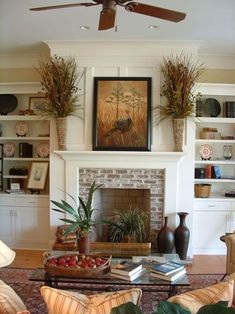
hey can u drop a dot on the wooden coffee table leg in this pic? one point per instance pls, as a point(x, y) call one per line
point(48, 281)
point(172, 291)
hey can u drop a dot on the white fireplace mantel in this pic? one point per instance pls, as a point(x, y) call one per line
point(168, 161)
point(127, 156)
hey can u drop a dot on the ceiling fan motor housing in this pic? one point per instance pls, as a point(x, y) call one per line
point(109, 5)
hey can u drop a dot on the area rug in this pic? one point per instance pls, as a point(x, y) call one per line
point(30, 293)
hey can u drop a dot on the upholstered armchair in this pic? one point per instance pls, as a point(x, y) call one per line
point(230, 261)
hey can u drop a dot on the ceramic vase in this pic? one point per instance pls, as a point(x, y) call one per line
point(182, 235)
point(165, 238)
point(178, 132)
point(83, 245)
point(61, 131)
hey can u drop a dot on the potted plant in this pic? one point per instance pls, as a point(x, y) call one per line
point(59, 79)
point(80, 218)
point(180, 74)
point(128, 225)
point(166, 307)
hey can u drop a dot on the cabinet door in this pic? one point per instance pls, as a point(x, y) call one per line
point(208, 227)
point(7, 225)
point(32, 227)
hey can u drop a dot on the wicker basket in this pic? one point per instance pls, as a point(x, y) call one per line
point(202, 190)
point(74, 272)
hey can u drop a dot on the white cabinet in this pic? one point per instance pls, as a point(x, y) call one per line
point(211, 220)
point(217, 94)
point(24, 221)
point(24, 218)
point(29, 146)
point(214, 216)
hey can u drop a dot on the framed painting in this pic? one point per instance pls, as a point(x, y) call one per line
point(37, 175)
point(122, 113)
point(37, 104)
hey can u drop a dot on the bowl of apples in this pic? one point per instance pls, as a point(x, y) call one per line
point(76, 265)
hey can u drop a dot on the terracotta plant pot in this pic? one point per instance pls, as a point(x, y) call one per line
point(83, 245)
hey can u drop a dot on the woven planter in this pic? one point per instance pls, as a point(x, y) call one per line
point(61, 130)
point(202, 190)
point(178, 132)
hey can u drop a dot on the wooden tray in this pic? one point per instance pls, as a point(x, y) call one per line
point(74, 272)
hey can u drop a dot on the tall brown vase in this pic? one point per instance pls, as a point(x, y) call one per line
point(165, 239)
point(61, 130)
point(83, 245)
point(182, 235)
point(178, 132)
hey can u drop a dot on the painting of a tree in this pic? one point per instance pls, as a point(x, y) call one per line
point(116, 97)
point(122, 113)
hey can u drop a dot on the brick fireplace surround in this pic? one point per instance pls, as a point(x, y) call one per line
point(156, 172)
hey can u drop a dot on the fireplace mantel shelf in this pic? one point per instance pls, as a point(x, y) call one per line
point(121, 155)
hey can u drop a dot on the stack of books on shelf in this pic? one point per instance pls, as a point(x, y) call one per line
point(127, 270)
point(169, 271)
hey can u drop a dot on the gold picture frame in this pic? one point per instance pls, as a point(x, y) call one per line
point(37, 104)
point(37, 175)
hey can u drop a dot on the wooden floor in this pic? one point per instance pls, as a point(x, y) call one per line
point(201, 264)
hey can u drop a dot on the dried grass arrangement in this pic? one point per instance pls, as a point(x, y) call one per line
point(180, 74)
point(59, 79)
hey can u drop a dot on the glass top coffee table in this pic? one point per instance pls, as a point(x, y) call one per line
point(106, 282)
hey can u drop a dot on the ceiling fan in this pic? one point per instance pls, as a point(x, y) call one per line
point(108, 12)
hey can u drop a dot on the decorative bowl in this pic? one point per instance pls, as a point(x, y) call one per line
point(76, 265)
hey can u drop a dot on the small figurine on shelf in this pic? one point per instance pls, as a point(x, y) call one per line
point(21, 128)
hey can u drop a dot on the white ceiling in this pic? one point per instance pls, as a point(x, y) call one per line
point(210, 21)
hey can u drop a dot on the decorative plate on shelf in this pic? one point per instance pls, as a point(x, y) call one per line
point(9, 149)
point(210, 107)
point(21, 128)
point(206, 151)
point(8, 103)
point(43, 150)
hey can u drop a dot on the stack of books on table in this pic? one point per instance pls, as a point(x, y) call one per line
point(127, 270)
point(169, 271)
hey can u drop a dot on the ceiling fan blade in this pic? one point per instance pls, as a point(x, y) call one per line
point(150, 10)
point(107, 19)
point(52, 7)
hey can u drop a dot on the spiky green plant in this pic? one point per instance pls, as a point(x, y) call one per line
point(59, 79)
point(180, 74)
point(131, 222)
point(80, 220)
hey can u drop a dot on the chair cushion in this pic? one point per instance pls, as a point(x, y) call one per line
point(193, 300)
point(67, 302)
point(10, 302)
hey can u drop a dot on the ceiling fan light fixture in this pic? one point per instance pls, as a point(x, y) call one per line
point(153, 26)
point(84, 27)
